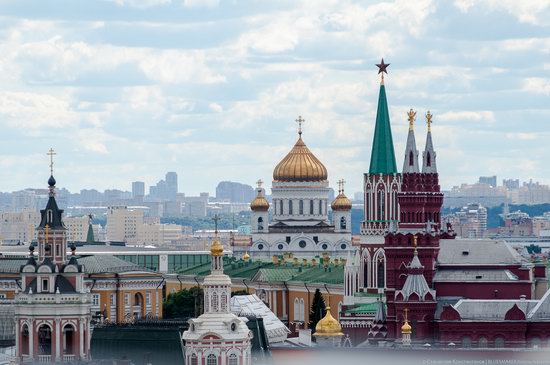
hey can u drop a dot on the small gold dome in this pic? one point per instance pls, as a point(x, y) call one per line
point(300, 165)
point(341, 203)
point(216, 249)
point(406, 328)
point(259, 204)
point(246, 256)
point(328, 326)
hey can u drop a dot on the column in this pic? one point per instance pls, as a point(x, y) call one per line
point(284, 304)
point(57, 340)
point(18, 347)
point(274, 309)
point(31, 339)
point(81, 337)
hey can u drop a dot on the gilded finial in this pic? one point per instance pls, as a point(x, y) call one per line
point(429, 117)
point(300, 121)
point(51, 153)
point(412, 118)
point(415, 243)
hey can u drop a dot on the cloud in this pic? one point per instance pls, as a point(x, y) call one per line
point(201, 3)
point(452, 116)
point(537, 85)
point(522, 136)
point(526, 11)
point(141, 4)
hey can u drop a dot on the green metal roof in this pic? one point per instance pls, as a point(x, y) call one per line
point(364, 308)
point(382, 160)
point(10, 265)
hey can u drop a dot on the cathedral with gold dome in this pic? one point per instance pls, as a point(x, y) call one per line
point(300, 206)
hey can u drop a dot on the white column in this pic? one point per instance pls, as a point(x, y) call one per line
point(274, 309)
point(57, 339)
point(31, 339)
point(81, 335)
point(18, 351)
point(157, 302)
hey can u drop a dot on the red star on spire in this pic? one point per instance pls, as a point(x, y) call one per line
point(382, 67)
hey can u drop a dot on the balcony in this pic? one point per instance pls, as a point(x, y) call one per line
point(44, 358)
point(69, 358)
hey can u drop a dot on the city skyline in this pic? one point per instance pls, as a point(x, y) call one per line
point(128, 90)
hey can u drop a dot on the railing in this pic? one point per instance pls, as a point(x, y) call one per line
point(44, 358)
point(67, 358)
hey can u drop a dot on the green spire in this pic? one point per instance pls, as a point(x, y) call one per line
point(90, 236)
point(382, 159)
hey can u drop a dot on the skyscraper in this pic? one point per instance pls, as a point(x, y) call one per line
point(171, 185)
point(138, 189)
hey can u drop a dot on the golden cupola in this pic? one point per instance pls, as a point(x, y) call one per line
point(300, 164)
point(406, 328)
point(217, 248)
point(260, 203)
point(328, 326)
point(341, 202)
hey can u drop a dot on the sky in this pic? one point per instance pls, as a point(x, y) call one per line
point(126, 90)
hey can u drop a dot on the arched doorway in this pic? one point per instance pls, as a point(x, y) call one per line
point(69, 340)
point(44, 340)
point(139, 308)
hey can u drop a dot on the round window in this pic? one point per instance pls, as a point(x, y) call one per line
point(260, 247)
point(280, 246)
point(324, 246)
point(302, 244)
point(233, 327)
point(343, 246)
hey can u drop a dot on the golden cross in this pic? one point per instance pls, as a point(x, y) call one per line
point(429, 117)
point(51, 153)
point(216, 218)
point(300, 121)
point(412, 117)
point(259, 183)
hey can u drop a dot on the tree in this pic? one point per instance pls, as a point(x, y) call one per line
point(318, 310)
point(186, 303)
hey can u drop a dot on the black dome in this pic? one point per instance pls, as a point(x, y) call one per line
point(51, 181)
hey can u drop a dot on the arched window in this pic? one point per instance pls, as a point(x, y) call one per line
point(25, 338)
point(500, 342)
point(301, 206)
point(535, 343)
point(466, 342)
point(260, 224)
point(211, 360)
point(302, 311)
point(223, 302)
point(381, 205)
point(194, 360)
point(482, 343)
point(429, 162)
point(380, 272)
point(320, 207)
point(281, 206)
point(296, 309)
point(232, 360)
point(49, 217)
point(45, 340)
point(290, 207)
point(411, 158)
point(311, 206)
point(68, 340)
point(343, 223)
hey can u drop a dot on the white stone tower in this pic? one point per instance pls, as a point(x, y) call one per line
point(341, 211)
point(259, 219)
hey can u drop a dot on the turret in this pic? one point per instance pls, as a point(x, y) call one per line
point(429, 155)
point(351, 277)
point(259, 219)
point(341, 210)
point(410, 163)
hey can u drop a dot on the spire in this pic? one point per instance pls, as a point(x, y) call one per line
point(382, 159)
point(51, 216)
point(429, 155)
point(410, 163)
point(90, 239)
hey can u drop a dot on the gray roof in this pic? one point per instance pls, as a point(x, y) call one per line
point(108, 264)
point(11, 265)
point(477, 252)
point(486, 275)
point(491, 309)
point(542, 310)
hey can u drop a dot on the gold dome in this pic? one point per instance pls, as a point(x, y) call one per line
point(300, 165)
point(259, 204)
point(246, 256)
point(341, 202)
point(328, 326)
point(216, 249)
point(406, 328)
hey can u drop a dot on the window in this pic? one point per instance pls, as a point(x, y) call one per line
point(214, 299)
point(296, 309)
point(411, 158)
point(126, 299)
point(57, 250)
point(113, 299)
point(95, 300)
point(280, 207)
point(49, 216)
point(320, 207)
point(45, 285)
point(232, 360)
point(380, 272)
point(290, 207)
point(499, 342)
point(260, 246)
point(343, 246)
point(194, 360)
point(429, 162)
point(301, 206)
point(148, 298)
point(324, 246)
point(482, 343)
point(280, 246)
point(302, 244)
point(381, 205)
point(311, 207)
point(260, 224)
point(224, 302)
point(343, 223)
point(466, 342)
point(302, 316)
point(211, 360)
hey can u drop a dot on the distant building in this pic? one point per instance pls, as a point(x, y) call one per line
point(234, 192)
point(138, 189)
point(469, 222)
point(19, 227)
point(123, 223)
point(489, 180)
point(533, 193)
point(510, 184)
point(481, 193)
point(159, 234)
point(77, 228)
point(195, 206)
point(165, 189)
point(517, 224)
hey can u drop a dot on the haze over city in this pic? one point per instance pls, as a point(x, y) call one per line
point(126, 90)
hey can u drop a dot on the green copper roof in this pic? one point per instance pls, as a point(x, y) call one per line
point(364, 308)
point(90, 236)
point(382, 159)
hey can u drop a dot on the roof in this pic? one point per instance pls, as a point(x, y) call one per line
point(56, 221)
point(250, 304)
point(369, 308)
point(107, 264)
point(382, 160)
point(159, 345)
point(300, 164)
point(491, 309)
point(411, 165)
point(444, 275)
point(11, 265)
point(477, 252)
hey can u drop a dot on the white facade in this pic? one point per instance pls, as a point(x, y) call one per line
point(217, 337)
point(19, 226)
point(77, 228)
point(123, 223)
point(155, 234)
